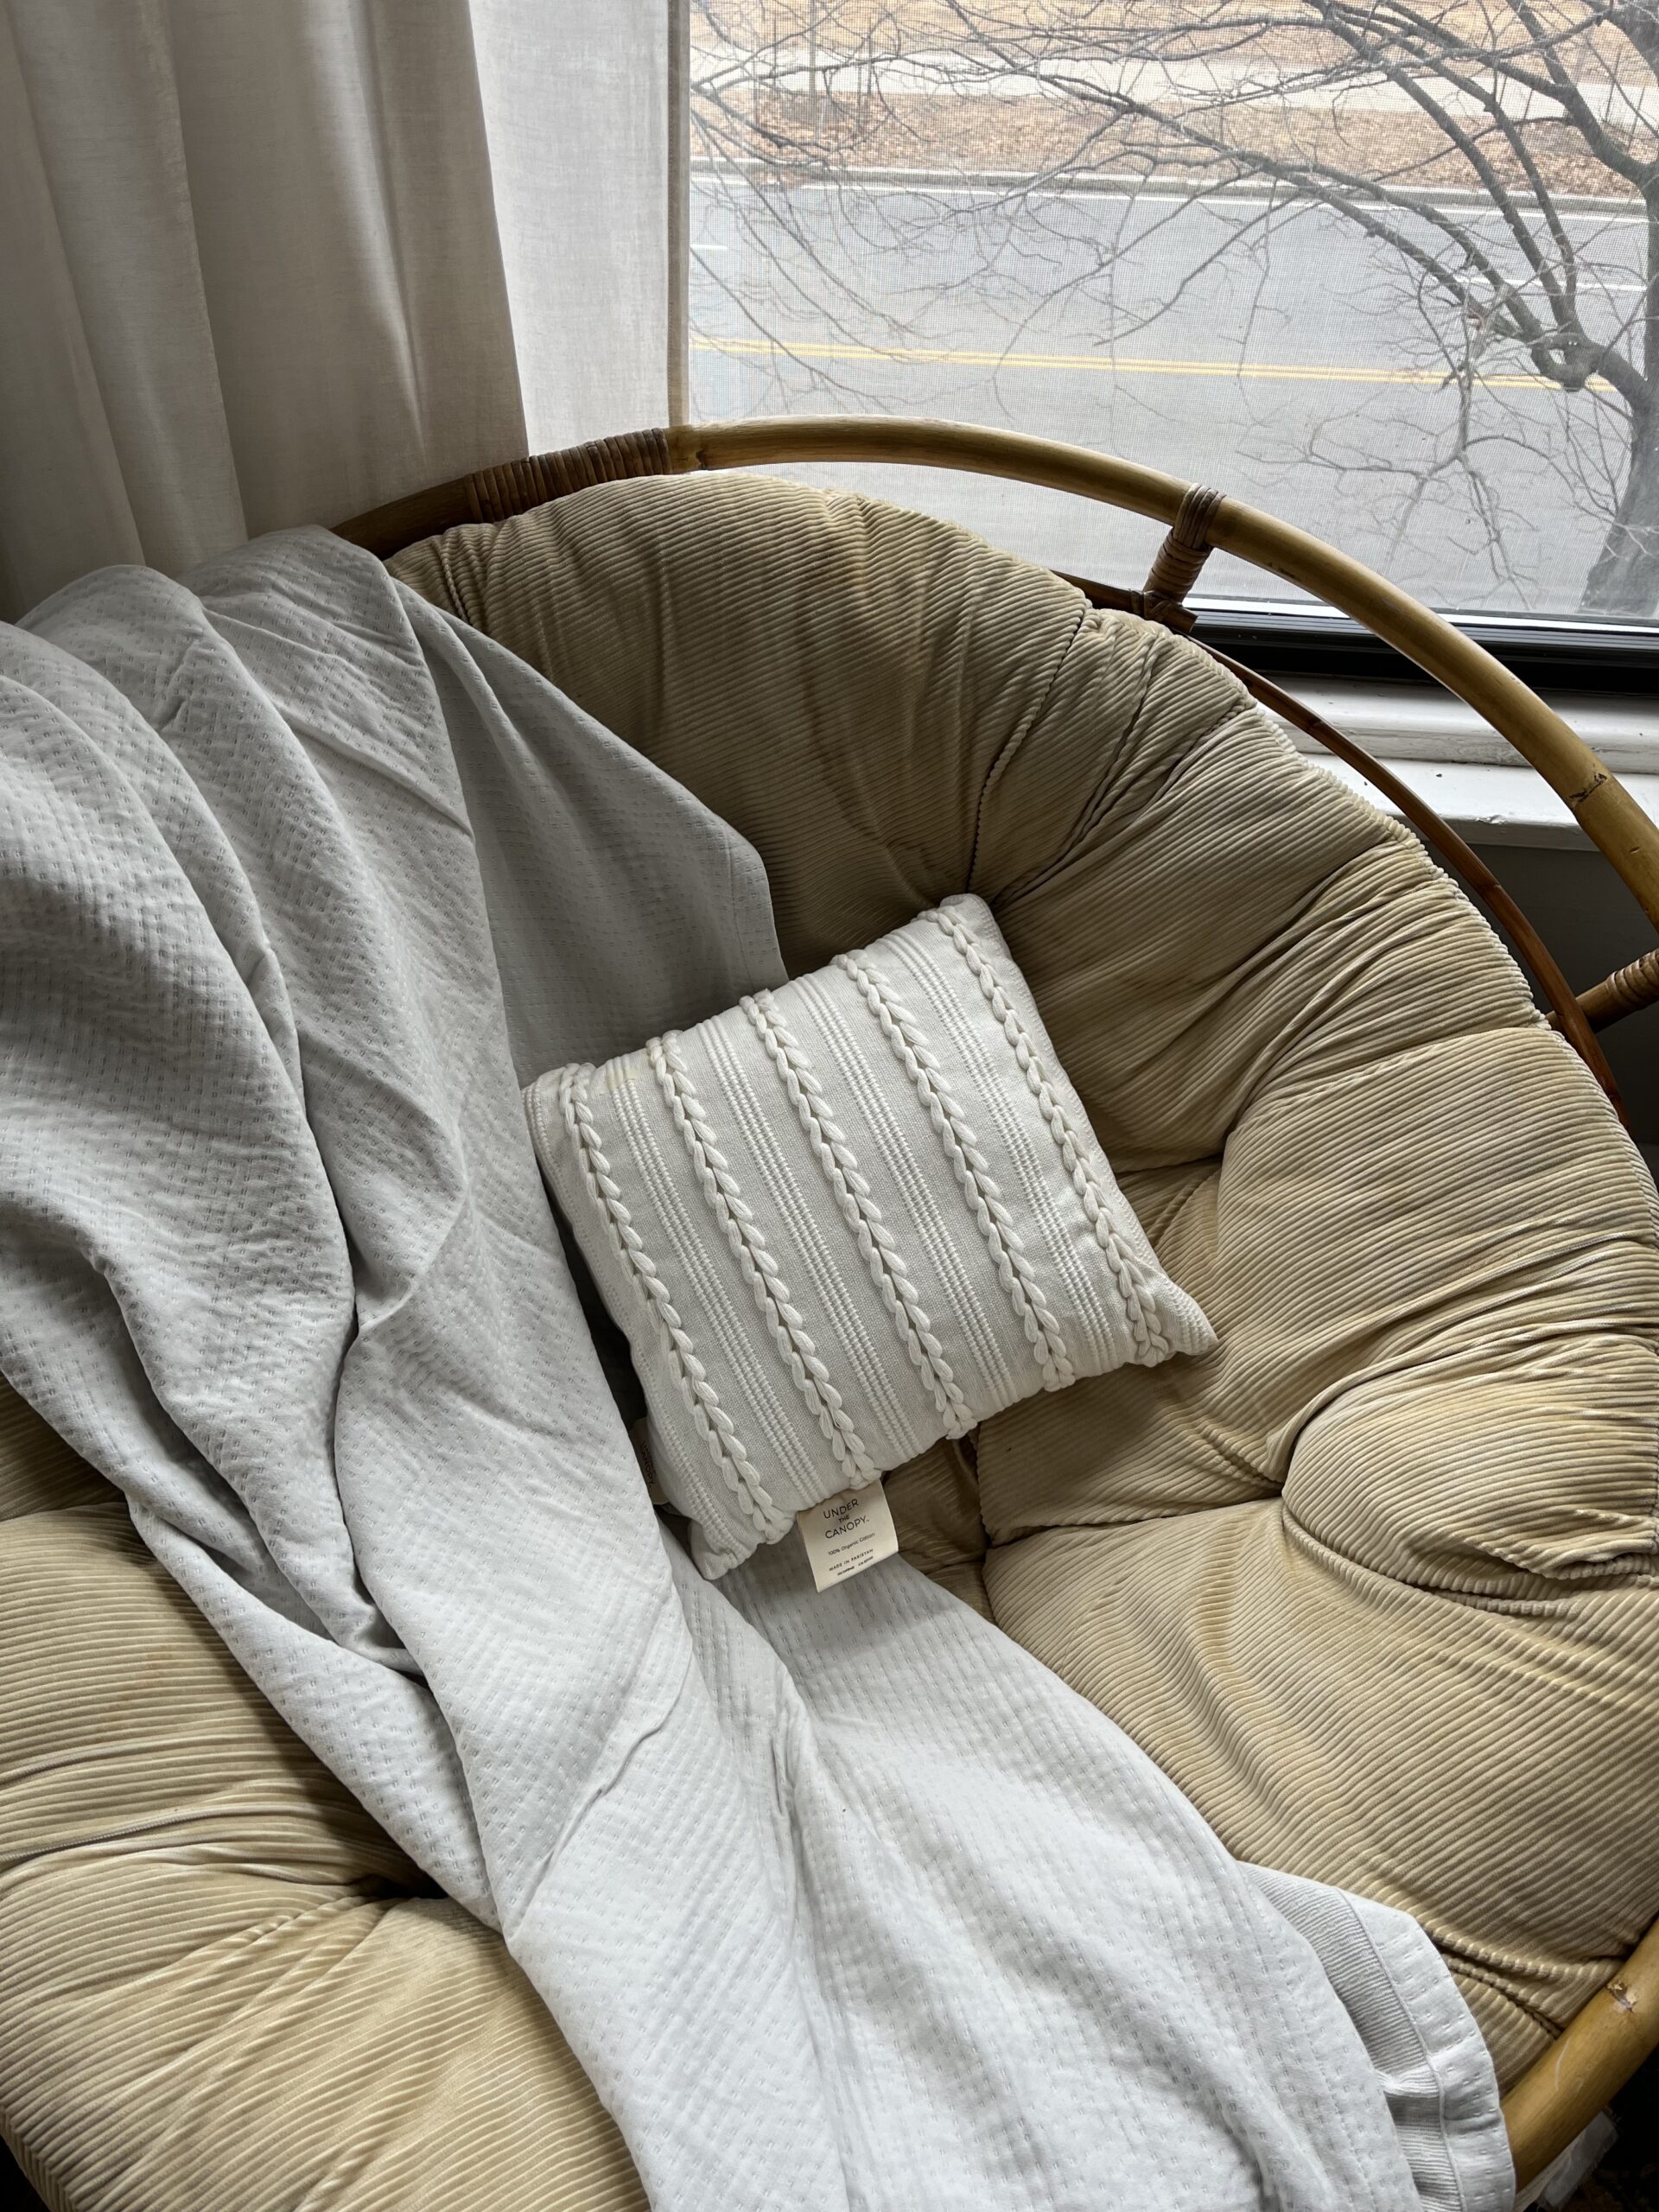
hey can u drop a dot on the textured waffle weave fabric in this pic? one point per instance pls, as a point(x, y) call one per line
point(885, 1153)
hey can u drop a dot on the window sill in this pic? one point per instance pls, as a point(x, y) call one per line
point(1471, 778)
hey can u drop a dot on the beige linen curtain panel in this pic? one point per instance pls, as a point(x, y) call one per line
point(266, 262)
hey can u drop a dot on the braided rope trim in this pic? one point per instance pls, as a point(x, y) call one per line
point(860, 1213)
point(756, 1264)
point(1150, 1342)
point(1013, 1271)
point(714, 1424)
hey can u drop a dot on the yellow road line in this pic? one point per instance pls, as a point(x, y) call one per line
point(812, 349)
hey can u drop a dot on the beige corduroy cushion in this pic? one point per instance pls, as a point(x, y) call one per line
point(1375, 1582)
point(221, 1986)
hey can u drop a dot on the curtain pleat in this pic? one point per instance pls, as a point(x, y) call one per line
point(275, 263)
point(575, 104)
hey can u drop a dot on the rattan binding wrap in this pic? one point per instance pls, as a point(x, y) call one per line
point(1627, 990)
point(1619, 2027)
point(517, 485)
point(509, 488)
point(1178, 562)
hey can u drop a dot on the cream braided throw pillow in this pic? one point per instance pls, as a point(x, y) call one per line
point(846, 1217)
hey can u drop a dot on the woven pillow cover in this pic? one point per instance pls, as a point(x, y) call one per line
point(846, 1218)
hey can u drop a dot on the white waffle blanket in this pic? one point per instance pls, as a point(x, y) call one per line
point(842, 1900)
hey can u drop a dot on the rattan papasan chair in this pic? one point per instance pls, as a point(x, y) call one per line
point(1375, 1582)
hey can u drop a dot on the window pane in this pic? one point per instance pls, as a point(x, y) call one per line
point(1381, 269)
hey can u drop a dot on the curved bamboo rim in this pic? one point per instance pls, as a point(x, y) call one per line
point(1589, 2062)
point(1618, 2028)
point(1609, 816)
point(1606, 811)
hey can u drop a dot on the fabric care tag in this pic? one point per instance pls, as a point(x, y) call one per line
point(849, 1532)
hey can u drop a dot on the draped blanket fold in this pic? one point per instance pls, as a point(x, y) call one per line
point(841, 1899)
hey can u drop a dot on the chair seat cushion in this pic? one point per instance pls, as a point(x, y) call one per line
point(1374, 1581)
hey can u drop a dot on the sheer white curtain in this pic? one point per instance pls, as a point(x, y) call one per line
point(264, 262)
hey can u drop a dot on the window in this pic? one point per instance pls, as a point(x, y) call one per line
point(1384, 267)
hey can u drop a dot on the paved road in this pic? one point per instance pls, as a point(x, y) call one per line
point(1278, 356)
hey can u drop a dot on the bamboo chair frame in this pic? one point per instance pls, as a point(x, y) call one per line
point(1618, 2027)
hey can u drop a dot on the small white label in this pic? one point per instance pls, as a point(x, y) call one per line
point(640, 1437)
point(849, 1532)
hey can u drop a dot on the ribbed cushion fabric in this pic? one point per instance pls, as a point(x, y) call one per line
point(843, 1219)
point(222, 1985)
point(1375, 1582)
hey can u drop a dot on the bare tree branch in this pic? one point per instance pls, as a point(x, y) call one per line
point(1416, 124)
